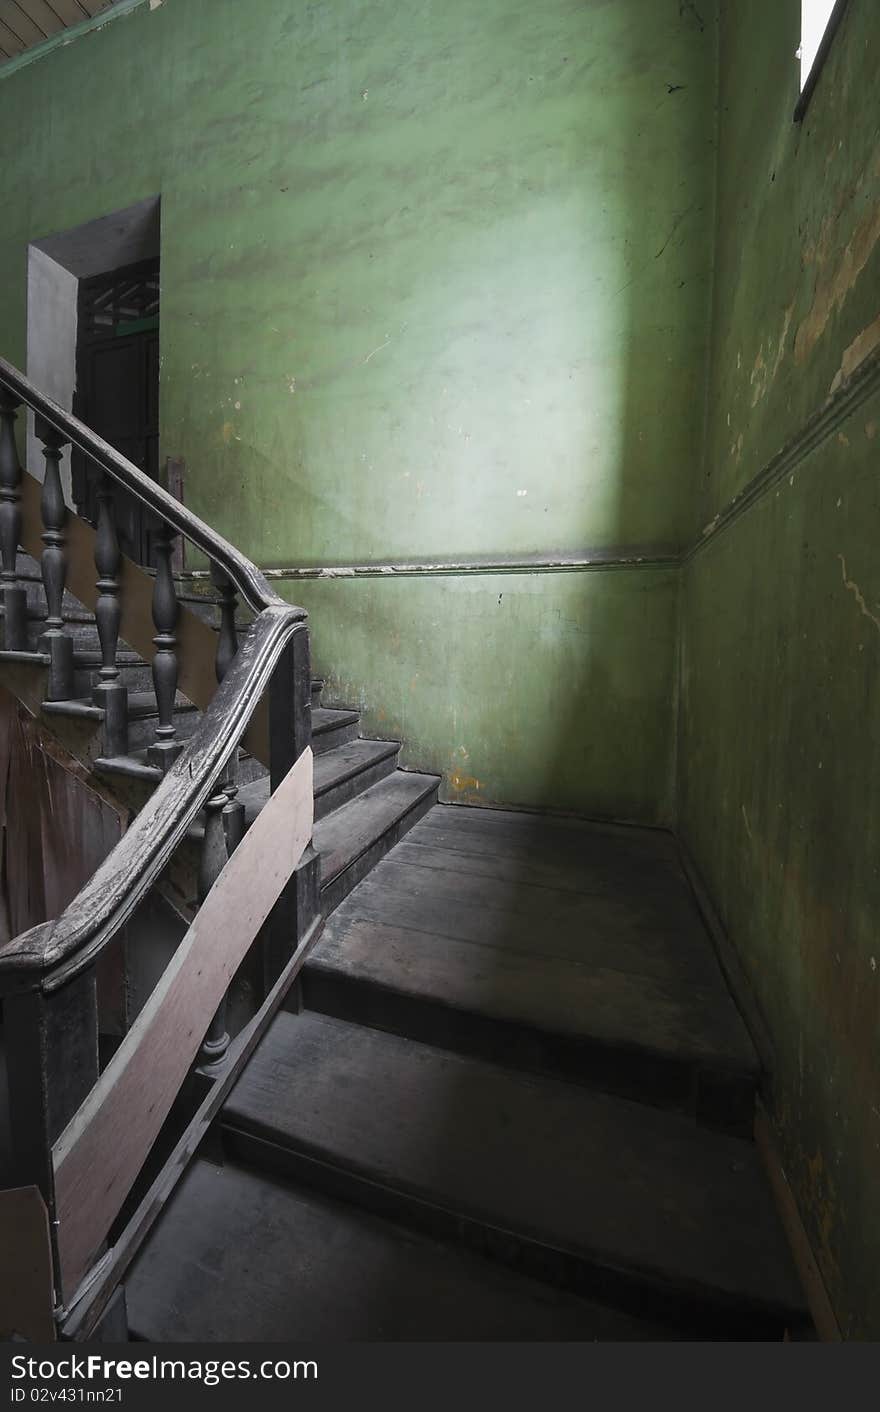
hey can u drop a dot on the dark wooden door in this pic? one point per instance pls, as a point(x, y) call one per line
point(117, 392)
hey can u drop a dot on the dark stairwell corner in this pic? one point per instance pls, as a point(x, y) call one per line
point(515, 1102)
point(439, 647)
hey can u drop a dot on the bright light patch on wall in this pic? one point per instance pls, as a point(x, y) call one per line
point(815, 15)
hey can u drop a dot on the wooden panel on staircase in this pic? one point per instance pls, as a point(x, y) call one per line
point(54, 829)
point(100, 1153)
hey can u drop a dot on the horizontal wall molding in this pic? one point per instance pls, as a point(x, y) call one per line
point(456, 568)
point(67, 36)
point(861, 384)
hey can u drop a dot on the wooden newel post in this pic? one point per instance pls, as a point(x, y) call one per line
point(224, 818)
point(211, 864)
point(14, 593)
point(290, 732)
point(52, 1061)
point(53, 563)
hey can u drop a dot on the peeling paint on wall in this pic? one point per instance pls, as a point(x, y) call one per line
point(856, 353)
point(834, 285)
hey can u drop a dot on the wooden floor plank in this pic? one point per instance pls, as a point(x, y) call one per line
point(453, 853)
point(555, 995)
point(622, 933)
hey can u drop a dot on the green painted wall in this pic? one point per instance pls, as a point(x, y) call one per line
point(435, 284)
point(779, 754)
point(589, 643)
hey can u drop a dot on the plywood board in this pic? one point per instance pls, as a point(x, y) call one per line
point(100, 1153)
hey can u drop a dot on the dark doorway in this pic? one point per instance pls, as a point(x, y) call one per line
point(117, 390)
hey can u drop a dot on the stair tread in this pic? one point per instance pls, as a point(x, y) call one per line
point(345, 834)
point(604, 1179)
point(324, 718)
point(289, 1264)
point(143, 703)
point(556, 996)
point(331, 768)
point(522, 945)
point(629, 924)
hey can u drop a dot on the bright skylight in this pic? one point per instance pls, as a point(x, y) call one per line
point(815, 15)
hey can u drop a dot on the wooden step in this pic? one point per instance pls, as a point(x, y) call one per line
point(340, 774)
point(354, 837)
point(594, 1192)
point(332, 728)
point(592, 966)
point(135, 766)
point(239, 1256)
point(134, 672)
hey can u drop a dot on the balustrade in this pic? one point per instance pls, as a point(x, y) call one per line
point(69, 1121)
point(54, 639)
point(14, 595)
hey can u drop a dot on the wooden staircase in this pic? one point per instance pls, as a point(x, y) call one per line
point(515, 1103)
point(484, 1079)
point(363, 801)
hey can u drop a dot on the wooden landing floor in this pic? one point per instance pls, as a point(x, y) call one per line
point(564, 947)
point(442, 1142)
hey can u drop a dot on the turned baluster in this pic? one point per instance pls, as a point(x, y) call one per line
point(227, 638)
point(165, 749)
point(13, 593)
point(215, 851)
point(227, 646)
point(53, 563)
point(110, 692)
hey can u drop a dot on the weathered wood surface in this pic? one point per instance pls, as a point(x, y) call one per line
point(54, 830)
point(117, 1124)
point(87, 1308)
point(196, 639)
point(26, 1294)
point(295, 1265)
point(608, 1184)
point(110, 897)
point(548, 944)
point(348, 832)
point(251, 584)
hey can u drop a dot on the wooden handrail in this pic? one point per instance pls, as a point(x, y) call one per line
point(52, 953)
point(250, 583)
point(70, 1120)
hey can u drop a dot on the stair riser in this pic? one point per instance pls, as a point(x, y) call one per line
point(136, 677)
point(249, 769)
point(724, 1101)
point(338, 888)
point(142, 733)
point(708, 1312)
point(348, 789)
point(337, 735)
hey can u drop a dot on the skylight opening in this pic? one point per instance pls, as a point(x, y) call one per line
point(815, 15)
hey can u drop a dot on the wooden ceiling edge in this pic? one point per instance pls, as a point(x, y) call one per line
point(29, 53)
